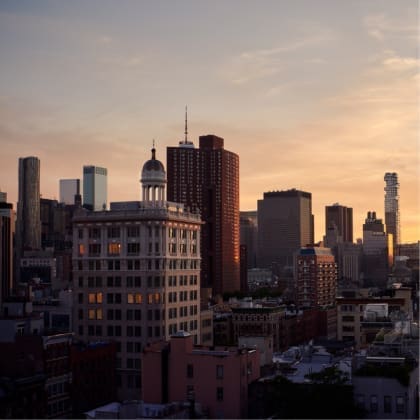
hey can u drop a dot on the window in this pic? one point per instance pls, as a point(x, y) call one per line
point(219, 393)
point(190, 371)
point(133, 231)
point(387, 404)
point(133, 248)
point(114, 248)
point(399, 404)
point(113, 232)
point(373, 403)
point(94, 249)
point(219, 371)
point(81, 250)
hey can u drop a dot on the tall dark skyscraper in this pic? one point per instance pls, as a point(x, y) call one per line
point(6, 247)
point(392, 210)
point(342, 218)
point(207, 180)
point(28, 235)
point(285, 224)
point(248, 235)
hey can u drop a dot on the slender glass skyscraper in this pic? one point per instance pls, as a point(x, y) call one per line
point(28, 235)
point(392, 210)
point(95, 188)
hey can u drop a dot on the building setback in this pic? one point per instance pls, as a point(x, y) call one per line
point(207, 180)
point(136, 271)
point(285, 224)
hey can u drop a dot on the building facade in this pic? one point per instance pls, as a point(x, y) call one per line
point(136, 271)
point(341, 217)
point(69, 190)
point(216, 378)
point(285, 224)
point(207, 180)
point(95, 188)
point(6, 247)
point(392, 209)
point(28, 233)
point(316, 277)
point(249, 235)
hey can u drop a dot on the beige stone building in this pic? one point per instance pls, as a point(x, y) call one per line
point(136, 274)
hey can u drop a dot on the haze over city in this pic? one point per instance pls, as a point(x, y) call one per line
point(319, 96)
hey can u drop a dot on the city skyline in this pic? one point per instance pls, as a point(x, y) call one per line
point(319, 99)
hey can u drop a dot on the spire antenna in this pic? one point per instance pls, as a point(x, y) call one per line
point(186, 125)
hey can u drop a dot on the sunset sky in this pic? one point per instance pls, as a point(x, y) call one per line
point(320, 95)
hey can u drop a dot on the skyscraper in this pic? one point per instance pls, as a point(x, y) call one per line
point(6, 247)
point(248, 235)
point(342, 218)
point(392, 211)
point(69, 189)
point(28, 235)
point(137, 274)
point(285, 224)
point(95, 188)
point(207, 180)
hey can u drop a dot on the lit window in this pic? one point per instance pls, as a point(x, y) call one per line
point(99, 297)
point(130, 298)
point(81, 249)
point(92, 314)
point(114, 248)
point(92, 298)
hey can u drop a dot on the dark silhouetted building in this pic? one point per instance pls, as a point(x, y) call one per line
point(6, 247)
point(248, 224)
point(207, 181)
point(28, 234)
point(285, 224)
point(342, 218)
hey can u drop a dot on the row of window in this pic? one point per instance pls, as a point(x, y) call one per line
point(137, 298)
point(387, 403)
point(219, 371)
point(130, 265)
point(134, 232)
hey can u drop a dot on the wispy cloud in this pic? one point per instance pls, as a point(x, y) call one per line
point(262, 63)
point(381, 27)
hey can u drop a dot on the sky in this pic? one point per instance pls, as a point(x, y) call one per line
point(321, 95)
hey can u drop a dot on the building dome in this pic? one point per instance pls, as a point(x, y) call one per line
point(153, 170)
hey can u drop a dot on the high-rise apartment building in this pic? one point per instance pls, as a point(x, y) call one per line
point(136, 274)
point(248, 224)
point(95, 188)
point(342, 218)
point(69, 191)
point(6, 247)
point(316, 277)
point(392, 210)
point(206, 180)
point(28, 235)
point(285, 224)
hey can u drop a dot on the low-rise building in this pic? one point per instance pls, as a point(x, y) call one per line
point(216, 378)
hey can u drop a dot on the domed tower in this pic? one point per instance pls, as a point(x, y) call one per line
point(153, 180)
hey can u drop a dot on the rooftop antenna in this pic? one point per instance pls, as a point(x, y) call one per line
point(186, 125)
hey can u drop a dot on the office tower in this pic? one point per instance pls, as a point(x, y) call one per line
point(316, 277)
point(28, 235)
point(285, 224)
point(342, 218)
point(392, 211)
point(95, 188)
point(375, 251)
point(206, 180)
point(69, 190)
point(136, 274)
point(6, 246)
point(248, 228)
